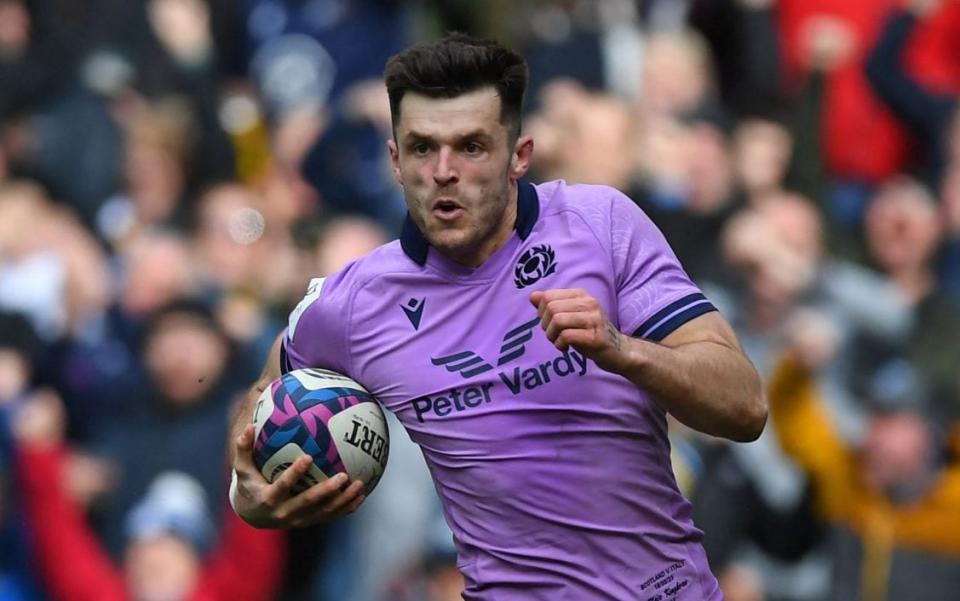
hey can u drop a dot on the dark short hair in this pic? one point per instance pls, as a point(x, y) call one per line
point(458, 64)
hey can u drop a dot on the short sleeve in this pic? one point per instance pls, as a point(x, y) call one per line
point(316, 331)
point(655, 296)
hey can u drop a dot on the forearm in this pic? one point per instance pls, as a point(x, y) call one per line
point(706, 385)
point(697, 372)
point(69, 557)
point(920, 109)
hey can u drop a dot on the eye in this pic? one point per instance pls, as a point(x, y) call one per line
point(472, 148)
point(420, 148)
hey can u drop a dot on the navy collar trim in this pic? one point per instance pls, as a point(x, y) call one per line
point(415, 245)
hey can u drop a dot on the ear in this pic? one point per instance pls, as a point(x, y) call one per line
point(520, 159)
point(394, 160)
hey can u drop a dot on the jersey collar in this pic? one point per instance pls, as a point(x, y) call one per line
point(528, 210)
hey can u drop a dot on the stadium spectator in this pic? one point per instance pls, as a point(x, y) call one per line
point(929, 113)
point(187, 400)
point(932, 114)
point(112, 116)
point(154, 189)
point(786, 281)
point(890, 501)
point(746, 50)
point(903, 233)
point(171, 550)
point(19, 349)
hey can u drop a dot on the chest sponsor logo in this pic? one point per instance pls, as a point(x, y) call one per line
point(469, 363)
point(534, 265)
point(516, 380)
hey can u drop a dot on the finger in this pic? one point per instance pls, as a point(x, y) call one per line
point(569, 321)
point(562, 293)
point(356, 503)
point(572, 305)
point(535, 298)
point(320, 493)
point(572, 299)
point(323, 517)
point(311, 501)
point(344, 499)
point(334, 506)
point(281, 488)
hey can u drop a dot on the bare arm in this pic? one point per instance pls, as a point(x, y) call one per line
point(274, 505)
point(698, 373)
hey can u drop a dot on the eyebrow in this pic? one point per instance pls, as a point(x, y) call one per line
point(412, 136)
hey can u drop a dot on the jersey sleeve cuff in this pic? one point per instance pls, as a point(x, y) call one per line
point(666, 320)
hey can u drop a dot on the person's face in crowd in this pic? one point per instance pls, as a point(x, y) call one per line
point(183, 27)
point(903, 230)
point(896, 451)
point(776, 247)
point(561, 101)
point(14, 374)
point(599, 146)
point(161, 568)
point(663, 151)
point(709, 168)
point(796, 222)
point(762, 152)
point(228, 230)
point(155, 180)
point(343, 241)
point(458, 167)
point(14, 29)
point(24, 211)
point(674, 78)
point(157, 271)
point(185, 358)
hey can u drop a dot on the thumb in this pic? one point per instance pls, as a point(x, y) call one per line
point(535, 298)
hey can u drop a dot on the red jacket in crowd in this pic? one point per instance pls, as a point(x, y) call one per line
point(854, 118)
point(246, 564)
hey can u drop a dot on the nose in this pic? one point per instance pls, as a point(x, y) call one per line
point(444, 170)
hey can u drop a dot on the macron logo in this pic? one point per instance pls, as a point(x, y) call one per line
point(414, 311)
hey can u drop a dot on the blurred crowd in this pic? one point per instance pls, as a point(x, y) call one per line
point(173, 172)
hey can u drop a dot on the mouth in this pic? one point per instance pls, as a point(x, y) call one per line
point(446, 209)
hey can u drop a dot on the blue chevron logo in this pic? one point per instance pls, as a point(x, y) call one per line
point(467, 363)
point(514, 340)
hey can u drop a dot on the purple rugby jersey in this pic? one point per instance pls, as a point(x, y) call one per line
point(554, 475)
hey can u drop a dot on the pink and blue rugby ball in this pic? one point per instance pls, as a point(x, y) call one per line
point(326, 415)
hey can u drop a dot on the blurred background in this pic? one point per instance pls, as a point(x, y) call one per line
point(173, 172)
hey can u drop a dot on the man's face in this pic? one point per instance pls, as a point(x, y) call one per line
point(161, 568)
point(896, 451)
point(459, 168)
point(185, 358)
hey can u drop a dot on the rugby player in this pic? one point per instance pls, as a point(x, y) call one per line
point(532, 339)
